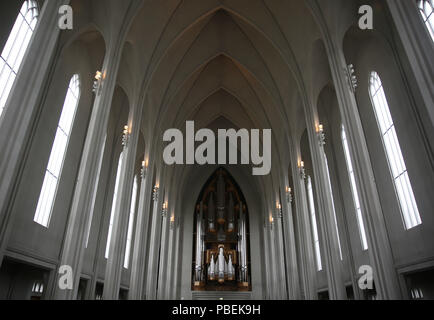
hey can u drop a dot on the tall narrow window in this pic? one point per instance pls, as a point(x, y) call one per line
point(15, 48)
point(131, 224)
point(114, 202)
point(334, 208)
point(426, 8)
point(354, 190)
point(58, 153)
point(314, 223)
point(404, 190)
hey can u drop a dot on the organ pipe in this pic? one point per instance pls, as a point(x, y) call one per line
point(221, 199)
point(211, 213)
point(231, 214)
point(211, 269)
point(242, 243)
point(230, 269)
point(199, 244)
point(221, 265)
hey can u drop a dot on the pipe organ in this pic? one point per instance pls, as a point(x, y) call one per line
point(221, 238)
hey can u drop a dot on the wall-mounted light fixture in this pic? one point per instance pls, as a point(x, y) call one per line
point(164, 209)
point(288, 195)
point(271, 220)
point(155, 193)
point(321, 135)
point(302, 170)
point(352, 79)
point(97, 82)
point(279, 210)
point(125, 136)
point(144, 170)
point(172, 222)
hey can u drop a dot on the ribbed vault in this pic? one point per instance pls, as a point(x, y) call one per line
point(242, 61)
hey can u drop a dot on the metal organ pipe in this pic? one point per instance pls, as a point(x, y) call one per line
point(242, 244)
point(230, 269)
point(211, 270)
point(221, 199)
point(231, 214)
point(221, 265)
point(199, 245)
point(211, 214)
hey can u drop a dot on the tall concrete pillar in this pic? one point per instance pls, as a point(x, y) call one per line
point(326, 212)
point(267, 261)
point(115, 261)
point(307, 271)
point(154, 246)
point(292, 273)
point(175, 288)
point(273, 264)
point(170, 260)
point(163, 259)
point(280, 256)
point(140, 248)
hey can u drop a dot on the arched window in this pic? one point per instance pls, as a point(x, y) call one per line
point(131, 224)
point(58, 153)
point(426, 8)
point(356, 198)
point(393, 150)
point(114, 202)
point(15, 48)
point(314, 223)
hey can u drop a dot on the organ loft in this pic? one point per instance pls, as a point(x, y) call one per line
point(221, 237)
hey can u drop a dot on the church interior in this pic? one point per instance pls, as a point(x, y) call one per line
point(89, 210)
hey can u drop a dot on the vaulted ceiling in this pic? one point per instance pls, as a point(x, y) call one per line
point(245, 63)
point(250, 56)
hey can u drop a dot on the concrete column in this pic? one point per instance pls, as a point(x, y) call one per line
point(163, 259)
point(380, 252)
point(21, 108)
point(292, 274)
point(170, 261)
point(102, 202)
point(154, 247)
point(138, 261)
point(341, 217)
point(307, 257)
point(280, 257)
point(88, 176)
point(328, 236)
point(175, 289)
point(115, 262)
point(275, 286)
point(267, 262)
